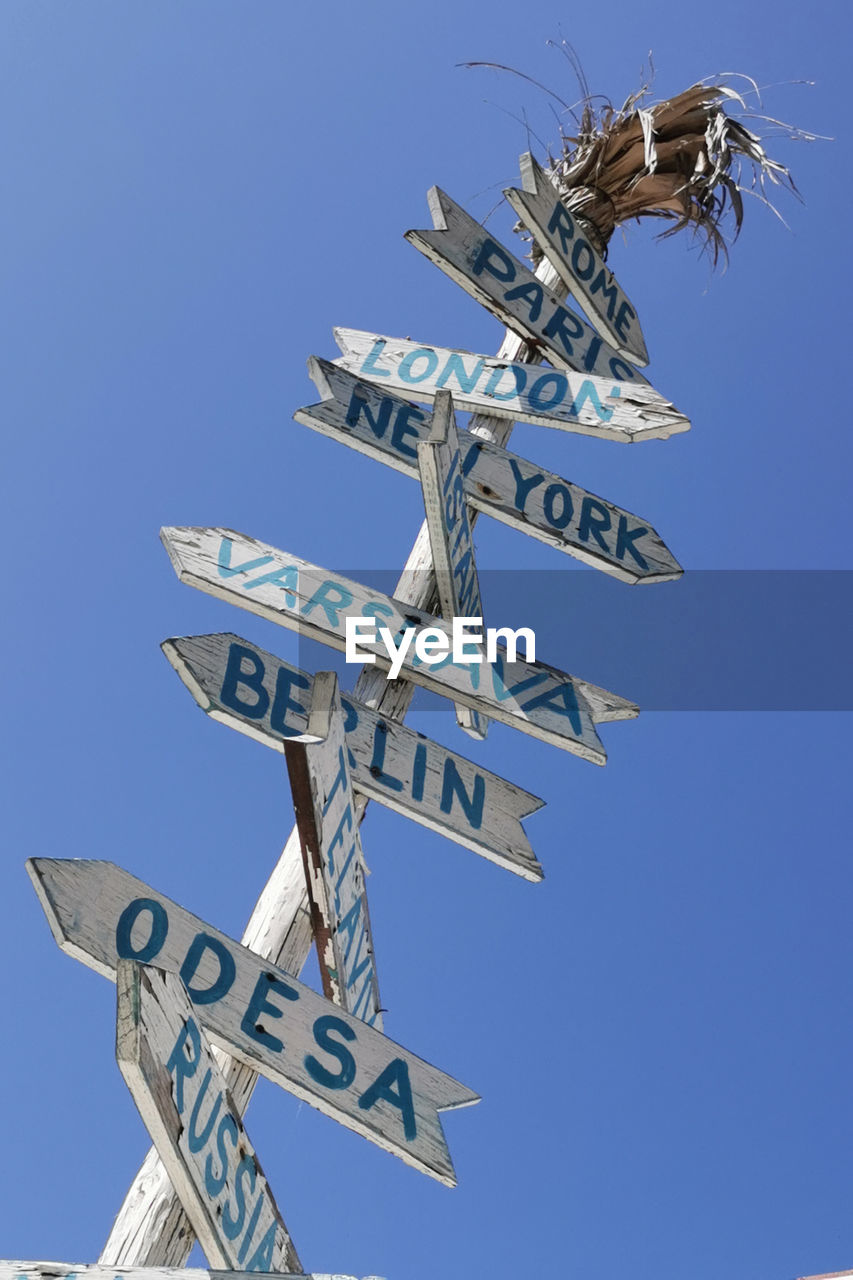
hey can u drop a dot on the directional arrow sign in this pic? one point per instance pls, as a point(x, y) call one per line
point(327, 820)
point(372, 420)
point(257, 1012)
point(540, 700)
point(484, 268)
point(578, 264)
point(532, 393)
point(176, 1083)
point(10, 1270)
point(451, 543)
point(268, 700)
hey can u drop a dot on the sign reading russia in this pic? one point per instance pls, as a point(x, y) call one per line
point(255, 1011)
point(540, 700)
point(466, 252)
point(174, 1078)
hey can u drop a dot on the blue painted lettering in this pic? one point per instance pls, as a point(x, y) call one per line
point(393, 1086)
point(260, 1004)
point(323, 1028)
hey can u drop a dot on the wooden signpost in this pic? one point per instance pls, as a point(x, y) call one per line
point(374, 421)
point(257, 1012)
point(267, 699)
point(545, 397)
point(540, 700)
point(327, 819)
point(176, 1083)
point(465, 251)
point(580, 266)
point(10, 1270)
point(443, 488)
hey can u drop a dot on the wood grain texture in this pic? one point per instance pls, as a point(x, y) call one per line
point(327, 820)
point(10, 1270)
point(485, 269)
point(169, 1067)
point(535, 697)
point(150, 1227)
point(580, 265)
point(452, 545)
point(258, 1013)
point(560, 399)
point(401, 769)
point(368, 418)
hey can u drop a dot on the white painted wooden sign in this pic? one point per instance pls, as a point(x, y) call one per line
point(465, 251)
point(267, 699)
point(579, 265)
point(540, 700)
point(257, 1012)
point(454, 562)
point(11, 1270)
point(327, 820)
point(176, 1083)
point(367, 417)
point(545, 397)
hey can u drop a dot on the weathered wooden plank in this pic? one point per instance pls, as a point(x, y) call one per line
point(465, 251)
point(256, 1011)
point(507, 389)
point(370, 419)
point(169, 1067)
point(540, 700)
point(10, 1270)
point(150, 1227)
point(454, 562)
point(580, 266)
point(267, 699)
point(327, 819)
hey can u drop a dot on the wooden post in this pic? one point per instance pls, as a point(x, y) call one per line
point(151, 1228)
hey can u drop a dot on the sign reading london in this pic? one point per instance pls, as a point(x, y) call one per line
point(267, 699)
point(532, 393)
point(539, 699)
point(501, 484)
point(465, 251)
point(174, 1078)
point(580, 266)
point(257, 1012)
point(327, 821)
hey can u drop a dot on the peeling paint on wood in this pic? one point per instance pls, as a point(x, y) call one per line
point(537, 698)
point(506, 389)
point(454, 562)
point(257, 1012)
point(581, 267)
point(10, 1270)
point(240, 685)
point(175, 1081)
point(371, 420)
point(327, 819)
point(465, 251)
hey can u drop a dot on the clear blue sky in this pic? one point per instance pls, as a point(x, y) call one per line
point(194, 194)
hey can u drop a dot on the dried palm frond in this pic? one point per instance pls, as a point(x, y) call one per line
point(686, 159)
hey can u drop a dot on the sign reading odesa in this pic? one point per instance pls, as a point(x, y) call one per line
point(267, 699)
point(545, 397)
point(367, 417)
point(257, 1012)
point(578, 263)
point(466, 252)
point(174, 1078)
